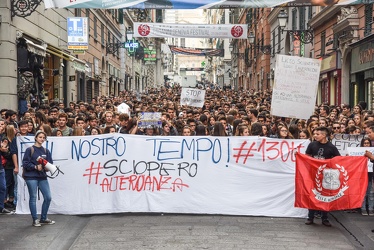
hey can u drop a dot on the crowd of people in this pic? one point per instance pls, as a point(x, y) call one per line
point(224, 113)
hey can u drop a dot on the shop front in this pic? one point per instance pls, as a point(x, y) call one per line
point(31, 57)
point(362, 72)
point(329, 87)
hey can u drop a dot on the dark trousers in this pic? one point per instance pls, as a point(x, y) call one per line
point(312, 212)
point(9, 180)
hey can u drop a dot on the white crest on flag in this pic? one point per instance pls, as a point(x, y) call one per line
point(330, 181)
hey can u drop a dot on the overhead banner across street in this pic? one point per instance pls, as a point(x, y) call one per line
point(188, 4)
point(234, 31)
point(116, 173)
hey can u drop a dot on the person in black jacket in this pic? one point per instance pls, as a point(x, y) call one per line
point(35, 177)
point(321, 148)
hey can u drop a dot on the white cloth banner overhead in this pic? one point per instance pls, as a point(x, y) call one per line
point(192, 97)
point(233, 31)
point(187, 4)
point(115, 173)
point(295, 86)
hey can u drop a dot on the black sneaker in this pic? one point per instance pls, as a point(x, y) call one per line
point(5, 211)
point(36, 223)
point(326, 223)
point(47, 222)
point(309, 221)
point(8, 205)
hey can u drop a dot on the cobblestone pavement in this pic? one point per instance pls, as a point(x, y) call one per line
point(179, 231)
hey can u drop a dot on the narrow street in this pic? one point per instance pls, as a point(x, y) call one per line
point(171, 231)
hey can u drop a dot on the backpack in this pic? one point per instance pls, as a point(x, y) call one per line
point(32, 150)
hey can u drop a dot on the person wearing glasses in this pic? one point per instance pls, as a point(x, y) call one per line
point(284, 133)
point(335, 129)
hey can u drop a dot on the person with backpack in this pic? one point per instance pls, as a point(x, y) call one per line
point(35, 177)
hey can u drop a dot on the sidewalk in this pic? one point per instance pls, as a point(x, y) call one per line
point(186, 231)
point(356, 227)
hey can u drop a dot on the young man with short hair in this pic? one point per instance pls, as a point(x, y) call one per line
point(61, 125)
point(320, 148)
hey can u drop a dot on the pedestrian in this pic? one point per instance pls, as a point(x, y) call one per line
point(3, 210)
point(367, 207)
point(35, 177)
point(320, 148)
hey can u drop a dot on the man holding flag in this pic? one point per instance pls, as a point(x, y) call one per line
point(320, 148)
point(328, 181)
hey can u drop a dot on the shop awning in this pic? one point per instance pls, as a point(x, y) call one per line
point(35, 48)
point(77, 64)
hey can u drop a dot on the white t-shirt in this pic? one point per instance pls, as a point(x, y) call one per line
point(123, 108)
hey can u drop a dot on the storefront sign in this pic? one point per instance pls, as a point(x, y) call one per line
point(77, 29)
point(328, 63)
point(149, 55)
point(362, 57)
point(366, 55)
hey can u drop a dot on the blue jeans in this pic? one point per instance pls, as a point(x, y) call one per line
point(2, 188)
point(15, 188)
point(32, 186)
point(9, 179)
point(368, 200)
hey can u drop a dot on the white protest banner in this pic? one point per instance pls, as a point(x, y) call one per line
point(192, 97)
point(115, 173)
point(233, 31)
point(360, 151)
point(343, 141)
point(149, 119)
point(295, 86)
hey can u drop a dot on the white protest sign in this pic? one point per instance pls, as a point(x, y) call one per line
point(149, 119)
point(343, 141)
point(295, 86)
point(116, 173)
point(193, 97)
point(360, 151)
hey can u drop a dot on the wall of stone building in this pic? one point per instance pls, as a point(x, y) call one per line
point(43, 27)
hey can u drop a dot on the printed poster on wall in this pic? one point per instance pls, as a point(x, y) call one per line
point(295, 86)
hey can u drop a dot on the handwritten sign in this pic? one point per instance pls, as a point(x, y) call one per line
point(115, 173)
point(343, 141)
point(360, 151)
point(149, 119)
point(192, 97)
point(295, 86)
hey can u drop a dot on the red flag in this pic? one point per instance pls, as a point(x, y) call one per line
point(334, 184)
